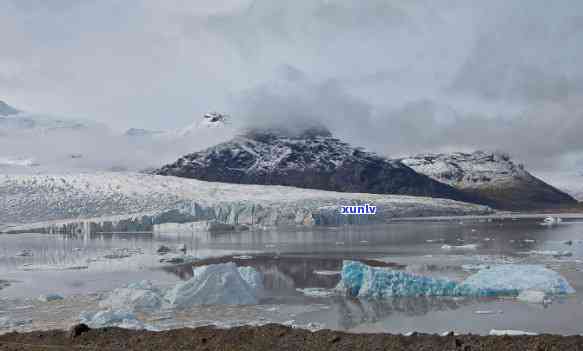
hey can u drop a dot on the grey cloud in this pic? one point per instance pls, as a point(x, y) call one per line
point(399, 77)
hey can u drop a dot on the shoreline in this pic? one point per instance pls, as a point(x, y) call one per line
point(272, 337)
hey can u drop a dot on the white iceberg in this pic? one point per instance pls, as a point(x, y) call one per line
point(360, 280)
point(512, 279)
point(140, 295)
point(216, 284)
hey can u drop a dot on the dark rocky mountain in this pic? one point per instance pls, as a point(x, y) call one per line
point(312, 158)
point(492, 177)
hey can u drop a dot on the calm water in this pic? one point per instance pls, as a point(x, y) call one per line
point(81, 268)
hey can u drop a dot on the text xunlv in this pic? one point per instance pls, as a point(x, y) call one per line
point(358, 209)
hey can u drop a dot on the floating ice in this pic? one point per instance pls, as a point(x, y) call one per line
point(324, 272)
point(468, 247)
point(50, 297)
point(513, 278)
point(317, 292)
point(554, 253)
point(215, 284)
point(111, 318)
point(496, 332)
point(552, 221)
point(140, 295)
point(533, 296)
point(360, 280)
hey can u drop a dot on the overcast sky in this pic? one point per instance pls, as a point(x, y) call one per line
point(399, 77)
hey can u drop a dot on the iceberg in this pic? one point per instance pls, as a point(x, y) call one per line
point(140, 295)
point(360, 280)
point(512, 279)
point(217, 284)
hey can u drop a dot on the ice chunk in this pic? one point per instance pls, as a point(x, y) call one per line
point(110, 318)
point(317, 292)
point(140, 295)
point(360, 280)
point(533, 296)
point(496, 332)
point(511, 279)
point(556, 254)
point(468, 247)
point(214, 284)
point(552, 221)
point(50, 297)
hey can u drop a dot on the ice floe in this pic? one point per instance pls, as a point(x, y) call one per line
point(112, 318)
point(468, 247)
point(317, 292)
point(50, 297)
point(533, 296)
point(496, 332)
point(552, 221)
point(360, 280)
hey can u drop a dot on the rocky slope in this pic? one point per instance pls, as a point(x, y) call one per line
point(146, 200)
point(308, 159)
point(493, 177)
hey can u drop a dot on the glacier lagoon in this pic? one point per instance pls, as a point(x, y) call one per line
point(300, 267)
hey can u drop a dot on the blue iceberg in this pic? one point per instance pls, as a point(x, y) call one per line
point(360, 280)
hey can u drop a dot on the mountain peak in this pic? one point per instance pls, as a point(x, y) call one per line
point(7, 110)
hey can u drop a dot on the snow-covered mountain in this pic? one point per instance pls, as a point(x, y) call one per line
point(143, 199)
point(311, 158)
point(493, 177)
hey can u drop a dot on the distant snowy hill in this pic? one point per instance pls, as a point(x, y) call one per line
point(493, 177)
point(311, 158)
point(7, 110)
point(71, 197)
point(38, 143)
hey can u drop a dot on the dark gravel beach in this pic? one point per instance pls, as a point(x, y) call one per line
point(272, 337)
